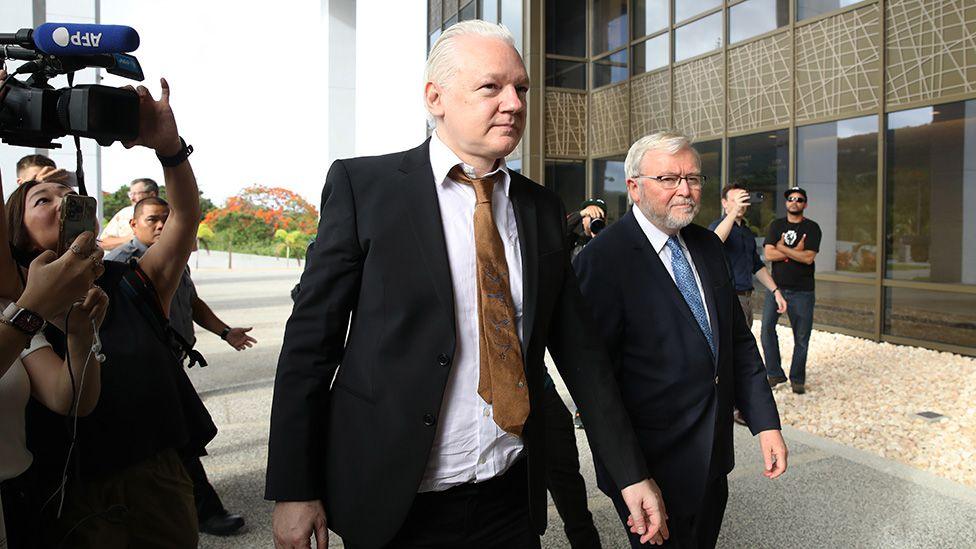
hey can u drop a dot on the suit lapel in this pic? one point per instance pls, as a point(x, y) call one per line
point(708, 285)
point(525, 218)
point(660, 274)
point(420, 195)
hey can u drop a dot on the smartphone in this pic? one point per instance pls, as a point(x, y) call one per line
point(756, 197)
point(77, 216)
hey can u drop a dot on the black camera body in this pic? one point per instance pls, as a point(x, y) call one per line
point(34, 116)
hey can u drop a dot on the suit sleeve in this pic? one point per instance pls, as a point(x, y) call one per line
point(313, 347)
point(584, 365)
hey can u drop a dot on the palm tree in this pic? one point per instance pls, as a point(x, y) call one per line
point(289, 239)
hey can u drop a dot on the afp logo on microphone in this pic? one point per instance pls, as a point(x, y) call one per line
point(62, 37)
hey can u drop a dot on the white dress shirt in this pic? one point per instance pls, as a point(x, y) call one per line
point(659, 241)
point(469, 446)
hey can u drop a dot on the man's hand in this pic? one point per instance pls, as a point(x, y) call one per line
point(238, 338)
point(802, 244)
point(294, 523)
point(774, 452)
point(736, 202)
point(592, 211)
point(648, 518)
point(780, 301)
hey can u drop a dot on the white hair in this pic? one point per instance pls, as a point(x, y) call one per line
point(442, 63)
point(670, 141)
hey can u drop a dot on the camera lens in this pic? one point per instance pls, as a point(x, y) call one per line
point(597, 225)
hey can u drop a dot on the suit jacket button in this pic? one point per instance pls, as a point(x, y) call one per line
point(429, 420)
point(716, 380)
point(443, 359)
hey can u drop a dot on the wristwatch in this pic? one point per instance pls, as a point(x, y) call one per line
point(178, 158)
point(224, 332)
point(25, 320)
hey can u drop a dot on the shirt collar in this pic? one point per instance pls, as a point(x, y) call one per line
point(655, 236)
point(442, 159)
point(138, 246)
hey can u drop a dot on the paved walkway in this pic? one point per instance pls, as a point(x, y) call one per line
point(832, 495)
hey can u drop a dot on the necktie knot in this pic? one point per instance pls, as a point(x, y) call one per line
point(483, 186)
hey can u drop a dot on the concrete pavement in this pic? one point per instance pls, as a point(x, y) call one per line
point(831, 496)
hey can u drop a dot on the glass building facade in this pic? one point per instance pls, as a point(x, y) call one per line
point(869, 105)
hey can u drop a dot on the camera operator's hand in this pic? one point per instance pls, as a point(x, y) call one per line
point(736, 202)
point(588, 214)
point(91, 309)
point(157, 125)
point(54, 283)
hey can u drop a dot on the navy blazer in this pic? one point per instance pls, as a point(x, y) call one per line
point(678, 395)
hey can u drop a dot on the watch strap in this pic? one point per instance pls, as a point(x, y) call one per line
point(178, 158)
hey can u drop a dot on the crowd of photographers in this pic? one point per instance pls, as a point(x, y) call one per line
point(102, 430)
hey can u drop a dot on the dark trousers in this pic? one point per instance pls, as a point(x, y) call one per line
point(204, 496)
point(489, 514)
point(698, 531)
point(563, 477)
point(799, 308)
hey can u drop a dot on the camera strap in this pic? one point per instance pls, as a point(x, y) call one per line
point(79, 172)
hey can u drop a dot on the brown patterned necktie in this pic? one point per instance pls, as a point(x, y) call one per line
point(502, 376)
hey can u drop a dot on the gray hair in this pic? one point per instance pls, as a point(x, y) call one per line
point(441, 62)
point(670, 141)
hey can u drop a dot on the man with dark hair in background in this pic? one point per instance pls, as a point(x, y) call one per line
point(791, 244)
point(149, 218)
point(119, 229)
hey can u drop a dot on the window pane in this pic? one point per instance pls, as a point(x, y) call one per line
point(843, 305)
point(837, 164)
point(610, 69)
point(813, 8)
point(512, 19)
point(933, 316)
point(650, 16)
point(609, 25)
point(755, 17)
point(683, 9)
point(711, 168)
point(565, 74)
point(469, 11)
point(651, 54)
point(432, 39)
point(610, 184)
point(566, 27)
point(568, 180)
point(760, 162)
point(450, 22)
point(931, 202)
point(699, 37)
point(489, 10)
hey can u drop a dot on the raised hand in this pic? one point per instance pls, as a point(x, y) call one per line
point(157, 124)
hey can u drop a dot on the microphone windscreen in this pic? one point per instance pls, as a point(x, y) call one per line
point(85, 39)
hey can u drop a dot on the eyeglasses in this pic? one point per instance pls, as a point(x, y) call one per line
point(695, 181)
point(799, 199)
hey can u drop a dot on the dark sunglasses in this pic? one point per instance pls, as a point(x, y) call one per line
point(799, 199)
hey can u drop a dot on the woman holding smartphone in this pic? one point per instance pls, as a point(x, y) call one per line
point(126, 485)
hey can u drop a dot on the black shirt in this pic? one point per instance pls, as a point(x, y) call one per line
point(740, 246)
point(789, 274)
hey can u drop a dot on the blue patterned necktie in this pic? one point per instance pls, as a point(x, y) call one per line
point(685, 279)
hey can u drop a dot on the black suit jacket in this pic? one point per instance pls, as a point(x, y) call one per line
point(678, 395)
point(380, 268)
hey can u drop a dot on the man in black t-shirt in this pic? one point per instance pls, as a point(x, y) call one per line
point(792, 243)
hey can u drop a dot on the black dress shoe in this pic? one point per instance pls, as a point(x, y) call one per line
point(222, 524)
point(798, 388)
point(776, 380)
point(737, 417)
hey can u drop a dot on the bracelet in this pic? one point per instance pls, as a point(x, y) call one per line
point(224, 332)
point(178, 158)
point(775, 290)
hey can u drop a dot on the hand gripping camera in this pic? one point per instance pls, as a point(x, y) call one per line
point(34, 114)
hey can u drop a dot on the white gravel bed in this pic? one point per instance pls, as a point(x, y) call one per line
point(866, 395)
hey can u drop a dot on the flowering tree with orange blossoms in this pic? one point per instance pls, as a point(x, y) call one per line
point(257, 212)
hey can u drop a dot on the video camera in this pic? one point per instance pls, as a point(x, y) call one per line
point(34, 114)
